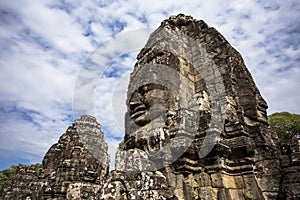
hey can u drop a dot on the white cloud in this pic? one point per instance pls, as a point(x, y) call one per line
point(46, 43)
point(55, 26)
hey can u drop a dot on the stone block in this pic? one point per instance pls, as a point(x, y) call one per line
point(216, 180)
point(251, 189)
point(208, 193)
point(203, 179)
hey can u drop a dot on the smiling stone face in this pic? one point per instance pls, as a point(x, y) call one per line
point(150, 102)
point(138, 110)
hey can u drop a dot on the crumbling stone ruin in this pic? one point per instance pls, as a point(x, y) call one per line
point(70, 168)
point(196, 128)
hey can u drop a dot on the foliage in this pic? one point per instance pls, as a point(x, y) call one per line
point(286, 125)
point(7, 174)
point(121, 145)
point(37, 168)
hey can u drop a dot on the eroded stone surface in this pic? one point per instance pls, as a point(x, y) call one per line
point(24, 185)
point(205, 102)
point(70, 168)
point(290, 162)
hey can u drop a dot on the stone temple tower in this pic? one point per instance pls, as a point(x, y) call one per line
point(196, 117)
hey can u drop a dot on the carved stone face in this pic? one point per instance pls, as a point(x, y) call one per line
point(138, 110)
point(148, 103)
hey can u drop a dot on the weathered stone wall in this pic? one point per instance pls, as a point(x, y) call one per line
point(290, 167)
point(70, 168)
point(189, 72)
point(24, 185)
point(77, 165)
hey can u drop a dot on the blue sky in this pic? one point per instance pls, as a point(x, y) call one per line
point(48, 47)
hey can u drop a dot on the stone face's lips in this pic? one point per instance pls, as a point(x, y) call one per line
point(137, 109)
point(138, 112)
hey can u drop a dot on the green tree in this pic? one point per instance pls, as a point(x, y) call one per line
point(286, 125)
